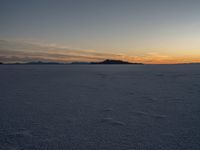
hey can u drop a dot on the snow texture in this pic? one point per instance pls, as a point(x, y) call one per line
point(104, 107)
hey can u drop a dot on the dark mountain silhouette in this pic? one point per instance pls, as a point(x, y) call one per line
point(110, 61)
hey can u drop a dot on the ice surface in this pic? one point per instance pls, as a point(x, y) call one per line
point(104, 107)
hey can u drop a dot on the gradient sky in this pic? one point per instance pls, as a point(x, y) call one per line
point(150, 31)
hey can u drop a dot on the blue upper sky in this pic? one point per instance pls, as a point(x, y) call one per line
point(130, 27)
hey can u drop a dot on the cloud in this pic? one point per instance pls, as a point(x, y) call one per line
point(18, 51)
point(21, 51)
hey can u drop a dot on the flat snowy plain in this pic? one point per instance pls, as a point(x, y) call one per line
point(99, 107)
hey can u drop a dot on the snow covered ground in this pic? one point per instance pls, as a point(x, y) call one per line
point(99, 107)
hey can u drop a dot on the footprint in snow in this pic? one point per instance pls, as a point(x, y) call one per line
point(140, 113)
point(111, 121)
point(156, 116)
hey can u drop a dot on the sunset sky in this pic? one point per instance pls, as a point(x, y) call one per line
point(148, 31)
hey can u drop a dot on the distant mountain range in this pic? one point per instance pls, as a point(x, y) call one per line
point(34, 63)
point(106, 62)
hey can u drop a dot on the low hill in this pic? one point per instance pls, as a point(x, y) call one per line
point(110, 61)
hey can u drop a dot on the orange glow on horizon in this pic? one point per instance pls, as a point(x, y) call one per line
point(162, 59)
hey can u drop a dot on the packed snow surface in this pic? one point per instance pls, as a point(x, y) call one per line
point(99, 107)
